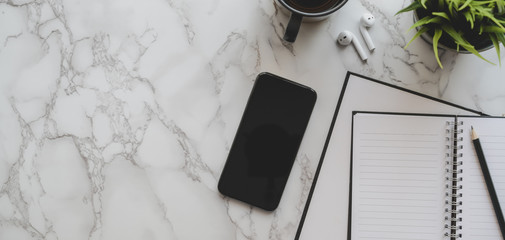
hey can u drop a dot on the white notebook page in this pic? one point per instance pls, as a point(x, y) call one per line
point(398, 188)
point(478, 217)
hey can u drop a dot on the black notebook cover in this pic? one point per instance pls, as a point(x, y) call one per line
point(340, 118)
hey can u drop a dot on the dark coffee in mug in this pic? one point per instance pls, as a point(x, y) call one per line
point(312, 6)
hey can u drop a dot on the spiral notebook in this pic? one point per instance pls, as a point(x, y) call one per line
point(416, 176)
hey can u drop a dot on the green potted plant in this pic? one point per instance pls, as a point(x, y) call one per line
point(474, 25)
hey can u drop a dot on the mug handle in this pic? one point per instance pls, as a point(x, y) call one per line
point(293, 26)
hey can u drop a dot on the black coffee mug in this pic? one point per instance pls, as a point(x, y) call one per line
point(314, 10)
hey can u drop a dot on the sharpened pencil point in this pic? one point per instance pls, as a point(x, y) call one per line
point(474, 134)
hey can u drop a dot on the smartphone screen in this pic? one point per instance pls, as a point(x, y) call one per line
point(267, 141)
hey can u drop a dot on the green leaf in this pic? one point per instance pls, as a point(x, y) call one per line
point(413, 6)
point(501, 38)
point(441, 14)
point(426, 20)
point(500, 5)
point(451, 6)
point(493, 29)
point(465, 5)
point(481, 3)
point(423, 3)
point(419, 33)
point(469, 18)
point(496, 44)
point(476, 53)
point(458, 39)
point(436, 37)
point(497, 23)
point(473, 15)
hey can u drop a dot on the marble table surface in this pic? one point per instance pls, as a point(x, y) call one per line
point(116, 116)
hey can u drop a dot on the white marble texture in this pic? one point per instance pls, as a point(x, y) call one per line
point(116, 116)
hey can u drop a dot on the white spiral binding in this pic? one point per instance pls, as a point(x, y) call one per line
point(452, 196)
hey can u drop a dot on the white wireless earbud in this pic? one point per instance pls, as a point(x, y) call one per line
point(345, 38)
point(367, 20)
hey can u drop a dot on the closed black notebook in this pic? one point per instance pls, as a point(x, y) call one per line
point(417, 177)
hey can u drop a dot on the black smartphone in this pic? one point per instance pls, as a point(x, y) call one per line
point(267, 141)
